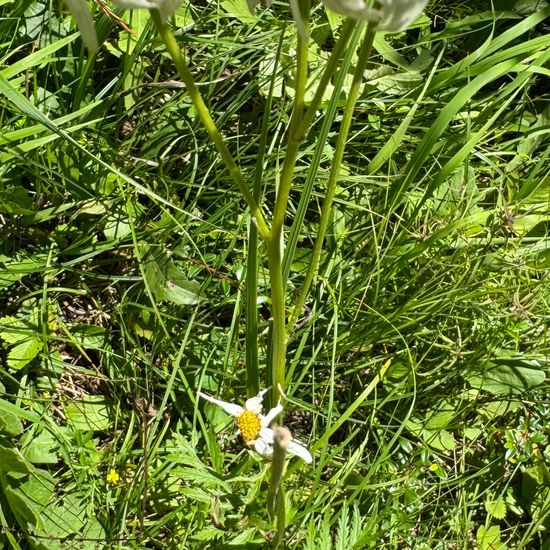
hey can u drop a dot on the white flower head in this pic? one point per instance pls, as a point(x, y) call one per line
point(165, 7)
point(254, 426)
point(392, 15)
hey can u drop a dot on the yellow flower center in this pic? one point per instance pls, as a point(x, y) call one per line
point(249, 424)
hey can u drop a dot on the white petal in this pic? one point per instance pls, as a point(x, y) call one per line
point(268, 418)
point(254, 404)
point(356, 9)
point(399, 14)
point(229, 408)
point(266, 434)
point(130, 4)
point(263, 447)
point(165, 7)
point(301, 451)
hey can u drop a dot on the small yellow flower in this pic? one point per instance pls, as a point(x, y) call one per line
point(112, 477)
point(254, 426)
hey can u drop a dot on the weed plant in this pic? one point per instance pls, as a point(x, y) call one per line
point(132, 277)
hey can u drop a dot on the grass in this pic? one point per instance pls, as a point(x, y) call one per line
point(416, 372)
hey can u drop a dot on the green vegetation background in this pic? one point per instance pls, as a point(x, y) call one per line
point(122, 266)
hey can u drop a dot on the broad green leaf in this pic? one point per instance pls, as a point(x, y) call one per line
point(441, 440)
point(66, 518)
point(508, 377)
point(12, 329)
point(23, 353)
point(40, 449)
point(239, 9)
point(165, 279)
point(38, 487)
point(9, 408)
point(90, 414)
point(11, 460)
point(24, 510)
point(489, 538)
point(89, 336)
point(10, 424)
point(13, 269)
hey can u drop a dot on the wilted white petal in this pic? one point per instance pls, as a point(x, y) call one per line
point(85, 22)
point(254, 404)
point(399, 14)
point(230, 408)
point(392, 16)
point(298, 19)
point(252, 5)
point(165, 7)
point(301, 451)
point(268, 418)
point(137, 4)
point(356, 9)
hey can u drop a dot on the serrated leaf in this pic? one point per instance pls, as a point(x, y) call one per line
point(195, 494)
point(489, 538)
point(12, 329)
point(24, 352)
point(242, 538)
point(208, 533)
point(203, 478)
point(497, 508)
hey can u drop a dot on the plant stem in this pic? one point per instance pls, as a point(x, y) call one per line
point(175, 52)
point(276, 239)
point(364, 54)
point(252, 363)
point(330, 68)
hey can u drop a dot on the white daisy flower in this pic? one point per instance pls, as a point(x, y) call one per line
point(254, 426)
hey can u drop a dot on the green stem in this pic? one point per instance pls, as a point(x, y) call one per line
point(276, 239)
point(330, 68)
point(364, 54)
point(175, 52)
point(252, 363)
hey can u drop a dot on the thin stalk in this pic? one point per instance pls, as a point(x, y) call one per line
point(364, 55)
point(330, 68)
point(275, 241)
point(320, 138)
point(175, 52)
point(252, 363)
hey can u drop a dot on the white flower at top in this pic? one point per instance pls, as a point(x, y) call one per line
point(165, 7)
point(392, 15)
point(254, 426)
